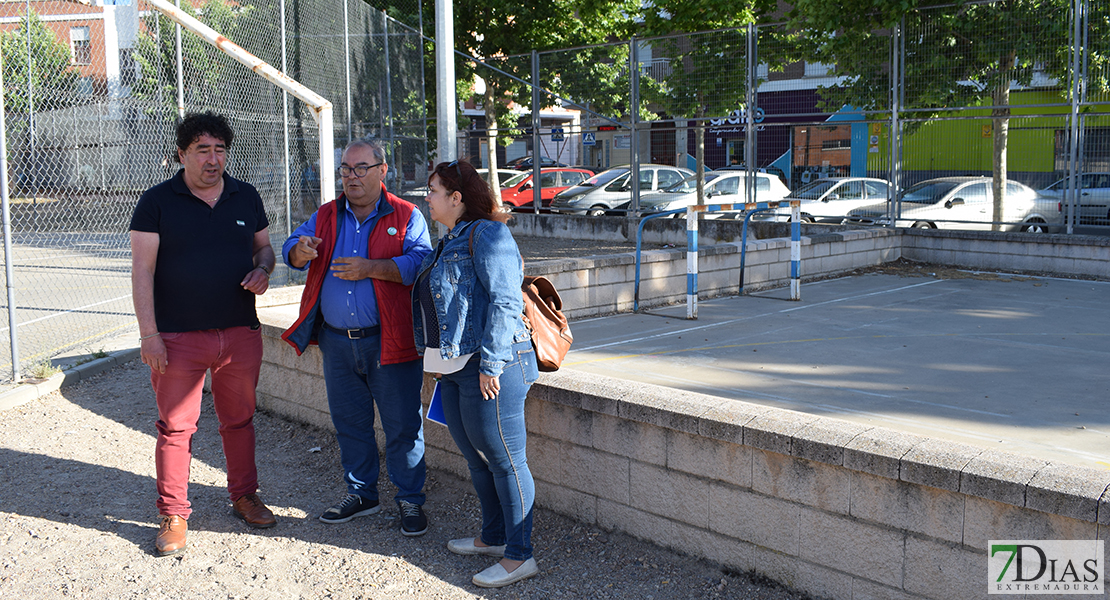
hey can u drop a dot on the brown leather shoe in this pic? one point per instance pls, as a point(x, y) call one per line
point(171, 536)
point(251, 509)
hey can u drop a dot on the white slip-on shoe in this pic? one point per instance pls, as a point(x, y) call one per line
point(496, 576)
point(466, 546)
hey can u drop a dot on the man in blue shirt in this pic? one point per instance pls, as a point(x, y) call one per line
point(362, 253)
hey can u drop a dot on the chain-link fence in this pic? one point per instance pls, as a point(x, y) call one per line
point(990, 89)
point(92, 96)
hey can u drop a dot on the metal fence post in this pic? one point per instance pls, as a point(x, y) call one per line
point(536, 160)
point(446, 128)
point(423, 100)
point(13, 336)
point(1071, 190)
point(285, 128)
point(392, 154)
point(180, 69)
point(895, 123)
point(634, 134)
point(347, 65)
point(750, 158)
point(30, 90)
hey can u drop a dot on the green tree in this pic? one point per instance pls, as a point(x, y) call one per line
point(708, 75)
point(503, 32)
point(967, 55)
point(53, 80)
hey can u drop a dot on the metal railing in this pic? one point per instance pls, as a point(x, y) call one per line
point(749, 209)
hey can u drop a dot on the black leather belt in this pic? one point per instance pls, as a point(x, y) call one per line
point(357, 334)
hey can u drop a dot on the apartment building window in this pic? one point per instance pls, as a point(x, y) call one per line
point(81, 45)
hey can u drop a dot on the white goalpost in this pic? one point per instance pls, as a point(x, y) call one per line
point(321, 108)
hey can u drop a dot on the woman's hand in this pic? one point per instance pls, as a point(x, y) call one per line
point(490, 386)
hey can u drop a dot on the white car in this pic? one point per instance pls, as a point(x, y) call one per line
point(611, 190)
point(1094, 197)
point(965, 203)
point(721, 187)
point(828, 200)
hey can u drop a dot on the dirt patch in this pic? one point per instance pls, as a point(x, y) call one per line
point(907, 268)
point(77, 519)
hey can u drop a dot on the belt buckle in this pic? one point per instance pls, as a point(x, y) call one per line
point(351, 334)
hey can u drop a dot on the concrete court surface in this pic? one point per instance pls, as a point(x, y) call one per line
point(1010, 363)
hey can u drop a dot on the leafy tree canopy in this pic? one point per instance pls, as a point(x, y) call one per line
point(53, 80)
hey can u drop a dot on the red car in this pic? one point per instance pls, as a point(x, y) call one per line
point(517, 192)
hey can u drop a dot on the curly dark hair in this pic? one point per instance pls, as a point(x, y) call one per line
point(460, 176)
point(195, 125)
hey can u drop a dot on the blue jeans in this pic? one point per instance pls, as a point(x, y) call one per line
point(492, 437)
point(355, 380)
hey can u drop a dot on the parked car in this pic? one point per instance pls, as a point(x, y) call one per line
point(829, 200)
point(721, 187)
point(777, 172)
point(612, 189)
point(524, 163)
point(518, 191)
point(503, 175)
point(1094, 197)
point(965, 203)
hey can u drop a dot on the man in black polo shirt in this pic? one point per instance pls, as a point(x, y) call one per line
point(200, 252)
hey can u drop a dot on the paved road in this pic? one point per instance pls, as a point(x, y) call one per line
point(1014, 364)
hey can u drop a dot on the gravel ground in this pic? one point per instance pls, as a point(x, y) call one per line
point(77, 520)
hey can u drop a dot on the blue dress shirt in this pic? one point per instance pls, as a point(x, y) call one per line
point(352, 304)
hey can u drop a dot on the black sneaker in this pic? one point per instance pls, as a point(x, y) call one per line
point(413, 520)
point(352, 506)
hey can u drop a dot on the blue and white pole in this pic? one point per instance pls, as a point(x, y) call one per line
point(691, 263)
point(795, 250)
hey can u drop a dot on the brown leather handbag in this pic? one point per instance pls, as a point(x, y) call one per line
point(544, 318)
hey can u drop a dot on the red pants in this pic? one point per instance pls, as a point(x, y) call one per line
point(234, 355)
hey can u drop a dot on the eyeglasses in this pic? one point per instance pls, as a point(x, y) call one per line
point(359, 171)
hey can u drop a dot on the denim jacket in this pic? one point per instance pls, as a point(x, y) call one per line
point(478, 301)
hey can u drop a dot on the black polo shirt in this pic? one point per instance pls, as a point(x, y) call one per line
point(203, 253)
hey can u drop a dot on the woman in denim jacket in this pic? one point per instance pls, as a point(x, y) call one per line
point(466, 312)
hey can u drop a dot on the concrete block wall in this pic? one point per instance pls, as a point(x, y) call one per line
point(606, 284)
point(1028, 252)
point(836, 509)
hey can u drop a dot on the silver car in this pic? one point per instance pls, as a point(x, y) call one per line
point(965, 203)
point(1094, 197)
point(828, 200)
point(612, 189)
point(721, 187)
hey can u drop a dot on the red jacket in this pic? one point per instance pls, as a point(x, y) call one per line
point(394, 299)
